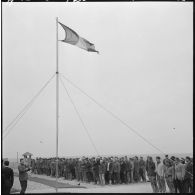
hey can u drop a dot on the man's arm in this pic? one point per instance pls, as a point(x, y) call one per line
point(23, 169)
point(12, 177)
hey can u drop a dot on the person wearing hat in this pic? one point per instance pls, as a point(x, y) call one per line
point(172, 158)
point(182, 160)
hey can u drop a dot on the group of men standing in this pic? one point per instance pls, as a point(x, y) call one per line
point(8, 176)
point(177, 173)
point(100, 170)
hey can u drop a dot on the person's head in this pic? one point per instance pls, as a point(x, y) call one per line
point(172, 158)
point(182, 160)
point(167, 163)
point(187, 159)
point(22, 161)
point(6, 163)
point(177, 161)
point(141, 158)
point(148, 158)
point(158, 159)
point(166, 156)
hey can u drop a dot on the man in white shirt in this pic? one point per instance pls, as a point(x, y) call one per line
point(160, 170)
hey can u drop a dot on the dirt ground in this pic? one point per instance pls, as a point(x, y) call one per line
point(34, 187)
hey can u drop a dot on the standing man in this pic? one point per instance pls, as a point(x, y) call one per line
point(142, 169)
point(150, 168)
point(23, 176)
point(96, 170)
point(102, 170)
point(179, 175)
point(117, 170)
point(8, 178)
point(129, 166)
point(111, 171)
point(123, 171)
point(188, 178)
point(136, 169)
point(132, 169)
point(169, 176)
point(107, 171)
point(160, 170)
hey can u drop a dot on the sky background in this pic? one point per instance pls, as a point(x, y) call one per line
point(143, 74)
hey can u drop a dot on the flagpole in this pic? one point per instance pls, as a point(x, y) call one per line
point(57, 102)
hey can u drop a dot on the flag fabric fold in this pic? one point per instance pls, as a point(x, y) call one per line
point(74, 39)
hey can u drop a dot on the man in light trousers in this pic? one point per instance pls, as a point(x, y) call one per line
point(160, 170)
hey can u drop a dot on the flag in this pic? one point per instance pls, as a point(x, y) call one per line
point(74, 39)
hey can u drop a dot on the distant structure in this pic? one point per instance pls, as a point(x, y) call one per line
point(27, 158)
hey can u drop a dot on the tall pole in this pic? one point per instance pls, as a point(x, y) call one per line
point(57, 102)
point(17, 157)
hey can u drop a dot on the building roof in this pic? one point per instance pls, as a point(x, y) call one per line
point(27, 154)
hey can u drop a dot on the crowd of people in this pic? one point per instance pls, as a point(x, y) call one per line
point(175, 172)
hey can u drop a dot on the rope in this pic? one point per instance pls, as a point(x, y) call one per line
point(116, 117)
point(24, 110)
point(113, 115)
point(79, 116)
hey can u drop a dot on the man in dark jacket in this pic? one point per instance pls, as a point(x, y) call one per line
point(123, 171)
point(96, 170)
point(23, 176)
point(8, 178)
point(129, 167)
point(136, 169)
point(150, 168)
point(116, 171)
point(142, 169)
point(109, 171)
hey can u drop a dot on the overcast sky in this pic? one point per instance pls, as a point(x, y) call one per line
point(143, 74)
